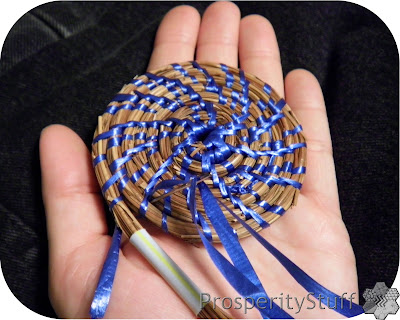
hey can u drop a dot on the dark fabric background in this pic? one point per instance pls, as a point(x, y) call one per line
point(63, 62)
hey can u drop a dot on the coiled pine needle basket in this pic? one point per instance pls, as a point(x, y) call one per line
point(241, 135)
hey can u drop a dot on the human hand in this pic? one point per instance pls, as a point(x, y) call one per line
point(312, 234)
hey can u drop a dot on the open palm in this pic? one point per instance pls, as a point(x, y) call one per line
point(312, 234)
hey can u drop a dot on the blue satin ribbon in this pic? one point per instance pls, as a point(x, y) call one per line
point(239, 272)
point(103, 291)
point(308, 283)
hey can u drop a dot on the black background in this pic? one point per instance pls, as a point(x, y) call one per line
point(62, 63)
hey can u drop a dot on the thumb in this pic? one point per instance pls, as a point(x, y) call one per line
point(76, 226)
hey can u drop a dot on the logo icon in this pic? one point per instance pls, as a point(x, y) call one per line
point(381, 301)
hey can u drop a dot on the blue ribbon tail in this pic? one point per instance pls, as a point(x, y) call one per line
point(347, 308)
point(241, 274)
point(103, 291)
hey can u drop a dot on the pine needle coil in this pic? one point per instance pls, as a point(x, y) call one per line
point(159, 96)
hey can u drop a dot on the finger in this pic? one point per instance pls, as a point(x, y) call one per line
point(304, 95)
point(259, 51)
point(74, 208)
point(219, 34)
point(176, 37)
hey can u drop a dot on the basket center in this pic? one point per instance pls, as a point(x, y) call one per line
point(208, 144)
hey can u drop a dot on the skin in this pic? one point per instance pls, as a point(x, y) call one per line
point(312, 234)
